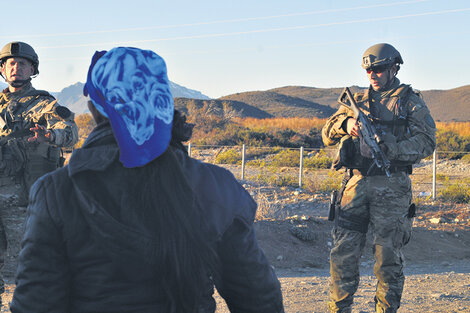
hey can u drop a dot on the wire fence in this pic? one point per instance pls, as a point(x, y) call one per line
point(251, 163)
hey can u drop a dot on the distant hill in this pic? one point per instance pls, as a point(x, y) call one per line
point(281, 105)
point(240, 108)
point(449, 105)
point(323, 96)
point(72, 96)
point(445, 105)
point(289, 101)
point(293, 101)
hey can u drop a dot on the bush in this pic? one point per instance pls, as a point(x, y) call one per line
point(325, 184)
point(466, 158)
point(85, 124)
point(319, 160)
point(458, 192)
point(450, 141)
point(270, 177)
point(286, 158)
point(256, 162)
point(230, 156)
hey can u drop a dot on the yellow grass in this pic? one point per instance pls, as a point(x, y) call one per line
point(294, 123)
point(460, 128)
point(300, 123)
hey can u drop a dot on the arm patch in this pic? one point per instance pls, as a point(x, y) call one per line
point(63, 112)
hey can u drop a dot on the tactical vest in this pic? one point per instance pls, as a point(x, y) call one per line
point(390, 116)
point(30, 160)
point(392, 112)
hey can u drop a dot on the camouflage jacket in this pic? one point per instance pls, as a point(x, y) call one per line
point(401, 116)
point(21, 110)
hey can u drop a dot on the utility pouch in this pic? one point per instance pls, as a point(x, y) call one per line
point(333, 199)
point(336, 196)
point(411, 211)
point(348, 155)
point(14, 157)
point(61, 161)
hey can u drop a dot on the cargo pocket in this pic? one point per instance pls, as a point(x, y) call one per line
point(403, 232)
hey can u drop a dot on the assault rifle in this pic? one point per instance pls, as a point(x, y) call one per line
point(367, 131)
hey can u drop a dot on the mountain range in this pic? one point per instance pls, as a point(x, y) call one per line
point(289, 101)
point(72, 96)
point(299, 101)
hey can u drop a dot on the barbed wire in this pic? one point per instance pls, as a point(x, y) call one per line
point(295, 148)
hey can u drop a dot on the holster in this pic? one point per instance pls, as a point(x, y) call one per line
point(336, 196)
point(342, 218)
point(412, 211)
point(332, 211)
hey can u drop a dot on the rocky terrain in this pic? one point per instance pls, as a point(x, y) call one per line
point(294, 233)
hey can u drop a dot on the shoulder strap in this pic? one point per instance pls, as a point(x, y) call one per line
point(37, 93)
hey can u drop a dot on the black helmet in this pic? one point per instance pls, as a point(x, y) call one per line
point(381, 54)
point(21, 50)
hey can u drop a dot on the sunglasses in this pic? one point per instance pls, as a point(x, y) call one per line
point(377, 69)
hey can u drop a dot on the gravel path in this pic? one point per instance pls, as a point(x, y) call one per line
point(427, 289)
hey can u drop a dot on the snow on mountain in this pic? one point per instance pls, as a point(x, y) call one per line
point(72, 96)
point(179, 91)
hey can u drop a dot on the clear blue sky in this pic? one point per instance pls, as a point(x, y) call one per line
point(223, 47)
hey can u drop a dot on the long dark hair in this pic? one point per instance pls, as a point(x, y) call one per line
point(172, 214)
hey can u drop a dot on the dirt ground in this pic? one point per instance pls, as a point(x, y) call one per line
point(298, 245)
point(295, 236)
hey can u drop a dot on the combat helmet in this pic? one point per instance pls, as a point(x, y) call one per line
point(21, 50)
point(382, 54)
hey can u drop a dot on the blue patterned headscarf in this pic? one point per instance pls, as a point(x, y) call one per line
point(130, 87)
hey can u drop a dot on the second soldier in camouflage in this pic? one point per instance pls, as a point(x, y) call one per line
point(371, 199)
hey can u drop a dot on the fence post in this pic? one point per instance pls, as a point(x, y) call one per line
point(189, 148)
point(434, 174)
point(243, 162)
point(301, 167)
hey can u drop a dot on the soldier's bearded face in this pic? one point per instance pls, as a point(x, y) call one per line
point(14, 69)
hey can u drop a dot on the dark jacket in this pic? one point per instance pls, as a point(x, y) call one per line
point(64, 266)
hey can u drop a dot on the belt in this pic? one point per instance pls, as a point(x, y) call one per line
point(379, 172)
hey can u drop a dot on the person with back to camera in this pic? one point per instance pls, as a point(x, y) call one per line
point(132, 223)
point(373, 196)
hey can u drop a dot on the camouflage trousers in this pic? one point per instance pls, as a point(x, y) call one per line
point(381, 204)
point(12, 216)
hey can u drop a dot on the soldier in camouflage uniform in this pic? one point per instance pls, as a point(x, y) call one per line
point(370, 199)
point(33, 128)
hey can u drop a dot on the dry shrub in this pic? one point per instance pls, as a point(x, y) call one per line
point(324, 184)
point(458, 191)
point(264, 207)
point(85, 125)
point(294, 123)
point(460, 128)
point(230, 156)
point(267, 207)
